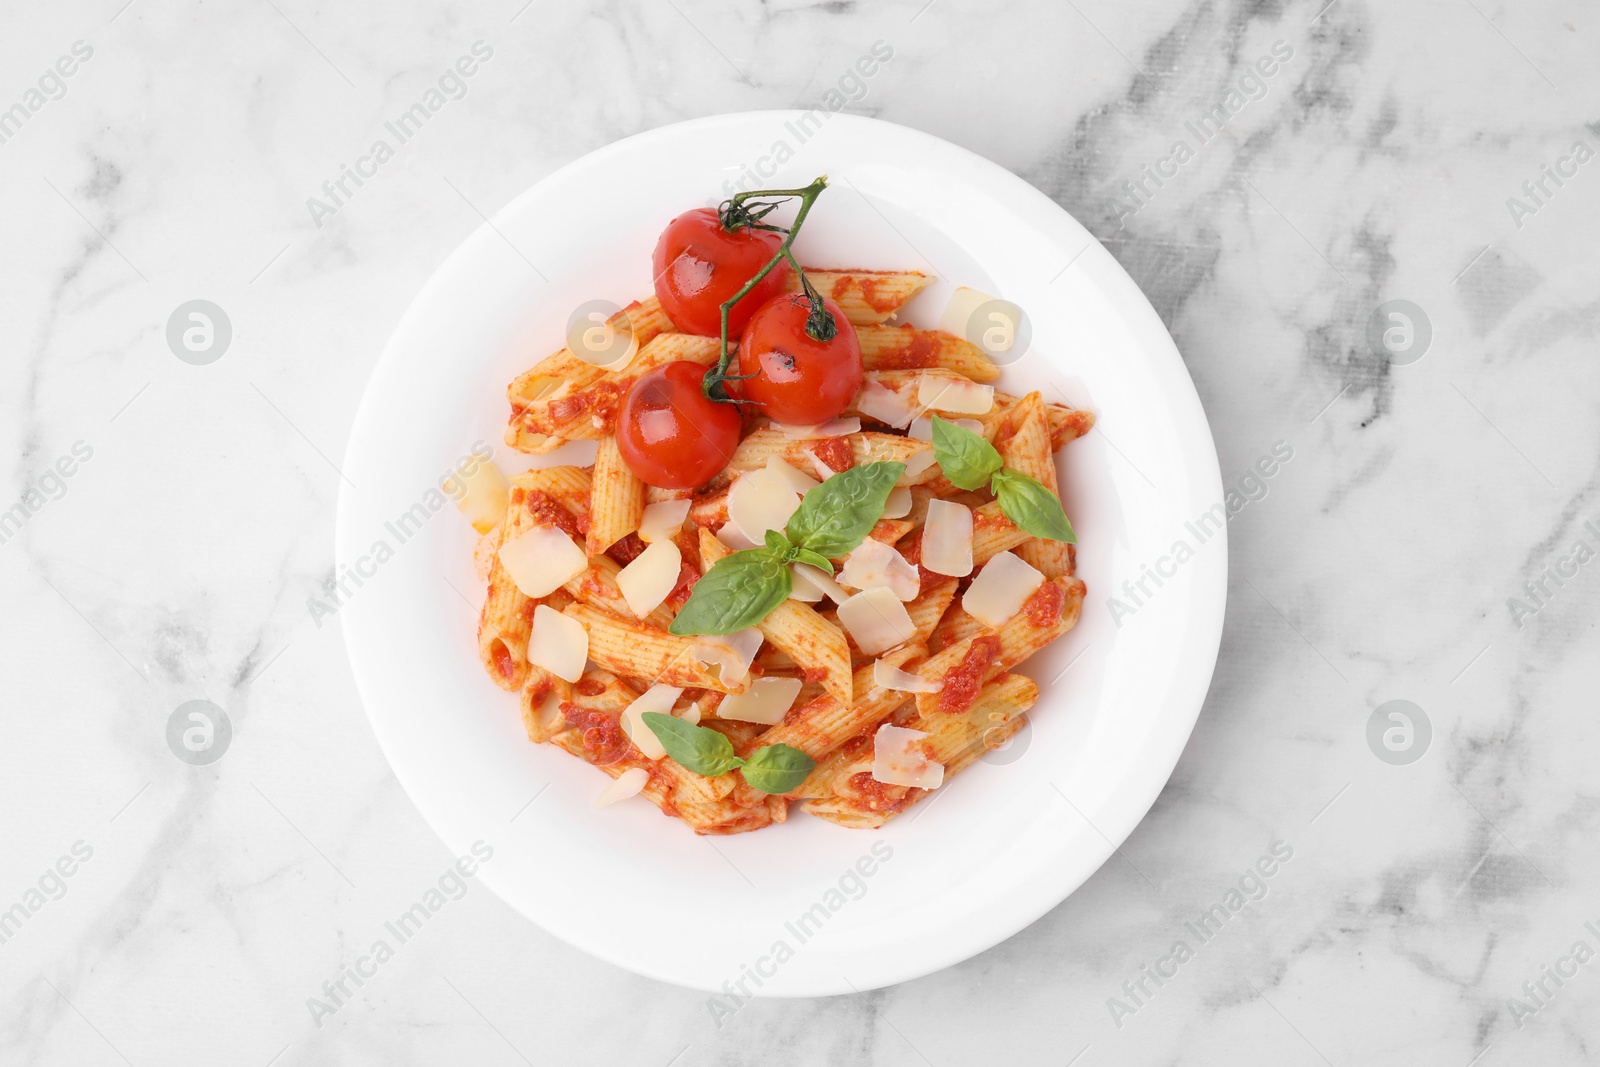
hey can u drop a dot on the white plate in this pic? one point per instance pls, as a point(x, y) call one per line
point(965, 870)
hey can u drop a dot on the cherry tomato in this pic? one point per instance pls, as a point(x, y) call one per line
point(670, 434)
point(698, 264)
point(798, 380)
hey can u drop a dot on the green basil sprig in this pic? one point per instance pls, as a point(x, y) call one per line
point(770, 769)
point(970, 462)
point(745, 587)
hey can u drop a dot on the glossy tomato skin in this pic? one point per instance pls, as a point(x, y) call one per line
point(698, 264)
point(799, 380)
point(669, 434)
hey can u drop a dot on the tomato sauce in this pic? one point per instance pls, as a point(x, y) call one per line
point(602, 734)
point(598, 403)
point(503, 661)
point(547, 511)
point(962, 682)
point(875, 795)
point(833, 451)
point(626, 550)
point(1044, 606)
point(920, 351)
point(911, 551)
point(867, 285)
point(687, 576)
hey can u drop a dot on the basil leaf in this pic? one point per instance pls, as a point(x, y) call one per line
point(777, 768)
point(738, 591)
point(700, 749)
point(837, 515)
point(779, 545)
point(966, 458)
point(815, 559)
point(1032, 506)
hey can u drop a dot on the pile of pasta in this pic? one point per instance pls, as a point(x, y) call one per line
point(951, 680)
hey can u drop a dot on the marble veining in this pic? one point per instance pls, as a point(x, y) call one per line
point(1441, 911)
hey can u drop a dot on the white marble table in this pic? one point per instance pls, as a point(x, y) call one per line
point(1394, 152)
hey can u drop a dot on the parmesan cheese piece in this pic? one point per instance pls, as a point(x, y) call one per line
point(732, 652)
point(876, 620)
point(483, 494)
point(766, 701)
point(957, 395)
point(760, 501)
point(558, 643)
point(898, 758)
point(802, 588)
point(630, 783)
point(922, 429)
point(947, 538)
point(663, 519)
point(898, 506)
point(798, 480)
point(650, 578)
point(1000, 589)
point(888, 406)
point(987, 321)
point(824, 472)
point(729, 534)
point(886, 675)
point(873, 565)
point(915, 465)
point(820, 580)
point(658, 698)
point(831, 428)
point(542, 560)
point(691, 714)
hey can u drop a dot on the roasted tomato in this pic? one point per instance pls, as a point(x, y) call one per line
point(699, 264)
point(670, 434)
point(799, 379)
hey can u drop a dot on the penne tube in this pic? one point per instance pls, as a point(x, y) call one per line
point(1066, 423)
point(833, 454)
point(956, 626)
point(506, 619)
point(616, 501)
point(1027, 451)
point(967, 664)
point(668, 790)
point(644, 319)
point(905, 348)
point(866, 297)
point(540, 701)
point(930, 606)
point(588, 412)
point(843, 790)
point(637, 650)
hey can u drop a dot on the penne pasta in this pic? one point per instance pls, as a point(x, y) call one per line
point(1027, 450)
point(638, 650)
point(963, 667)
point(905, 348)
point(866, 297)
point(616, 501)
point(832, 454)
point(588, 412)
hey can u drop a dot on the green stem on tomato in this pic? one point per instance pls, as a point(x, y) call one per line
point(819, 323)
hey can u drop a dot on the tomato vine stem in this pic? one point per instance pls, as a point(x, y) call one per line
point(734, 215)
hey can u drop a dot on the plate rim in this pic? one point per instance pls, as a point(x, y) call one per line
point(1206, 619)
